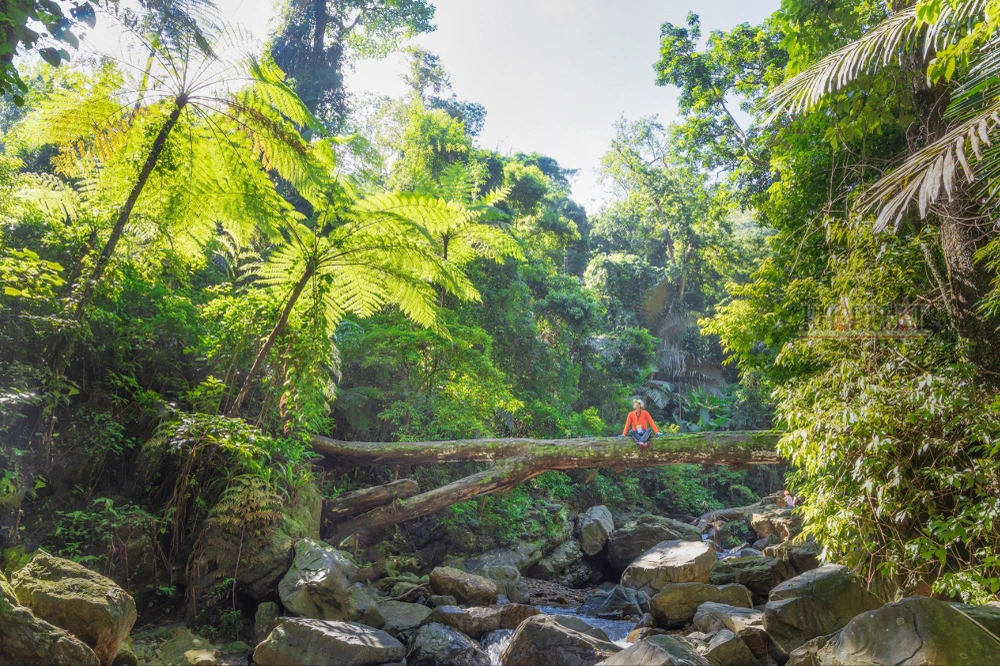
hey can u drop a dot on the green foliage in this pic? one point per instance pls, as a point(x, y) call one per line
point(19, 21)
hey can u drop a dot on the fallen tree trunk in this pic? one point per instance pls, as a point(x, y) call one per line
point(366, 499)
point(534, 458)
point(721, 448)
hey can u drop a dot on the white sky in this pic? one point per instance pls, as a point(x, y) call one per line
point(553, 75)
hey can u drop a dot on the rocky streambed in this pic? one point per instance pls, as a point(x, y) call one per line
point(669, 596)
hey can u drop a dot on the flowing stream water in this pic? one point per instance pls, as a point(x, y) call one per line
point(497, 641)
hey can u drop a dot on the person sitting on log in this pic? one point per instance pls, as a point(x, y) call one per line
point(639, 424)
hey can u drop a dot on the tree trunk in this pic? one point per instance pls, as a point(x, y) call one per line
point(65, 351)
point(519, 460)
point(360, 501)
point(279, 326)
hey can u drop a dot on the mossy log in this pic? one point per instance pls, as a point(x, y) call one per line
point(359, 501)
point(518, 460)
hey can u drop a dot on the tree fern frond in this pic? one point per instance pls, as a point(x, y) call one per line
point(930, 173)
point(52, 196)
point(877, 48)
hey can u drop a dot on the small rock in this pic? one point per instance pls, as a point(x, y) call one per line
point(764, 542)
point(675, 605)
point(639, 633)
point(263, 620)
point(596, 525)
point(565, 556)
point(465, 587)
point(305, 642)
point(645, 621)
point(794, 560)
point(84, 603)
point(618, 601)
point(747, 623)
point(125, 656)
point(670, 562)
point(815, 603)
point(402, 617)
point(435, 644)
point(728, 649)
point(544, 641)
point(437, 600)
point(508, 580)
point(186, 649)
point(665, 650)
point(775, 520)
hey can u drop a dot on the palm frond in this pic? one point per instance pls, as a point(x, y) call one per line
point(884, 45)
point(931, 172)
point(50, 194)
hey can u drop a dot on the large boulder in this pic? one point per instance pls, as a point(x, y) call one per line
point(664, 650)
point(727, 649)
point(543, 641)
point(596, 525)
point(306, 642)
point(28, 640)
point(815, 603)
point(84, 603)
point(794, 559)
point(676, 604)
point(321, 585)
point(918, 630)
point(469, 589)
point(758, 574)
point(988, 615)
point(629, 542)
point(747, 623)
point(437, 645)
point(566, 556)
point(771, 519)
point(670, 562)
point(617, 602)
point(508, 580)
point(479, 621)
point(400, 617)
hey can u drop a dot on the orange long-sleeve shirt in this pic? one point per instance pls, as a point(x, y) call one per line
point(641, 419)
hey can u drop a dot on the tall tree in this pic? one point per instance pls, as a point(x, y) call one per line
point(313, 43)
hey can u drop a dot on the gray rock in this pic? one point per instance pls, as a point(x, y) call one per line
point(918, 630)
point(576, 624)
point(629, 542)
point(318, 584)
point(186, 649)
point(747, 623)
point(552, 566)
point(467, 588)
point(758, 574)
point(670, 562)
point(794, 559)
point(264, 618)
point(543, 641)
point(72, 597)
point(770, 520)
point(815, 603)
point(508, 580)
point(596, 525)
point(987, 615)
point(618, 601)
point(305, 642)
point(728, 649)
point(437, 600)
point(401, 617)
point(479, 621)
point(435, 644)
point(28, 640)
point(675, 605)
point(665, 650)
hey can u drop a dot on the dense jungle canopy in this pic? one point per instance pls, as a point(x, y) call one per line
point(221, 270)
